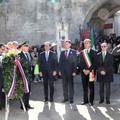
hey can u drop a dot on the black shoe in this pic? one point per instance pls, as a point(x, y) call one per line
point(45, 100)
point(65, 100)
point(71, 101)
point(23, 109)
point(51, 100)
point(0, 108)
point(29, 107)
point(101, 101)
point(107, 102)
point(91, 104)
point(84, 103)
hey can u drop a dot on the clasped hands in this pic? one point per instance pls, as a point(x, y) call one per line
point(73, 74)
point(86, 72)
point(102, 72)
point(54, 73)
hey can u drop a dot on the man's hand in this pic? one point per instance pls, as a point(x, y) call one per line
point(40, 74)
point(54, 73)
point(74, 74)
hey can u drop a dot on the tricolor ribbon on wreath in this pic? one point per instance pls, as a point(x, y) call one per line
point(88, 63)
point(24, 79)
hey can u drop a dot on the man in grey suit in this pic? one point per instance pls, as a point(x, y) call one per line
point(67, 67)
point(104, 72)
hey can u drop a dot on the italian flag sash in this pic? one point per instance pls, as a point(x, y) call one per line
point(88, 63)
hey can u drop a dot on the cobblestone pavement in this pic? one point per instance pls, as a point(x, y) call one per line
point(60, 111)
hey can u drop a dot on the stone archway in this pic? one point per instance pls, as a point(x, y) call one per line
point(91, 12)
point(98, 15)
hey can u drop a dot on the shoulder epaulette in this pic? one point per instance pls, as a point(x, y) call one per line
point(73, 50)
point(42, 52)
point(99, 53)
point(52, 51)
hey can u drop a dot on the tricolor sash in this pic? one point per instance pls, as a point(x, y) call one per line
point(24, 79)
point(88, 63)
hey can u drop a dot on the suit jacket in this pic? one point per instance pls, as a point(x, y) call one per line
point(107, 66)
point(92, 55)
point(24, 59)
point(49, 66)
point(68, 64)
point(0, 75)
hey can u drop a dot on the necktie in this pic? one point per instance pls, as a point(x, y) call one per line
point(28, 59)
point(103, 56)
point(66, 53)
point(27, 56)
point(46, 55)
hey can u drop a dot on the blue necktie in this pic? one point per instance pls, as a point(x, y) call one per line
point(46, 55)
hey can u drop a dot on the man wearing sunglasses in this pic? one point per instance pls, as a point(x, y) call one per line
point(104, 72)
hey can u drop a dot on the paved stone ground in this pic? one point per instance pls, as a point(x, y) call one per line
point(60, 111)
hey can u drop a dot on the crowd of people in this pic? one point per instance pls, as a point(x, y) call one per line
point(43, 65)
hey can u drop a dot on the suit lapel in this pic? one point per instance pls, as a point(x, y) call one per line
point(101, 58)
point(24, 55)
point(44, 56)
point(70, 52)
point(64, 54)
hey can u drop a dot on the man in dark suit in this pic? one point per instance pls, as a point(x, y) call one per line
point(25, 57)
point(67, 67)
point(86, 71)
point(104, 72)
point(48, 70)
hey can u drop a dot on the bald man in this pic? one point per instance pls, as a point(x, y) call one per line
point(104, 72)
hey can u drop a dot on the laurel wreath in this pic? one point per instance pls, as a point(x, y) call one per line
point(8, 73)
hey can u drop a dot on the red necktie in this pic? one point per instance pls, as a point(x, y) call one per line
point(66, 55)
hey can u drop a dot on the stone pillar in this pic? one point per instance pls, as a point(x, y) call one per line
point(61, 30)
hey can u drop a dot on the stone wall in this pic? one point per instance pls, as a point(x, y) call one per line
point(35, 20)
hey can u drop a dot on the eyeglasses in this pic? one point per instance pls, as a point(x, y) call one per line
point(103, 46)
